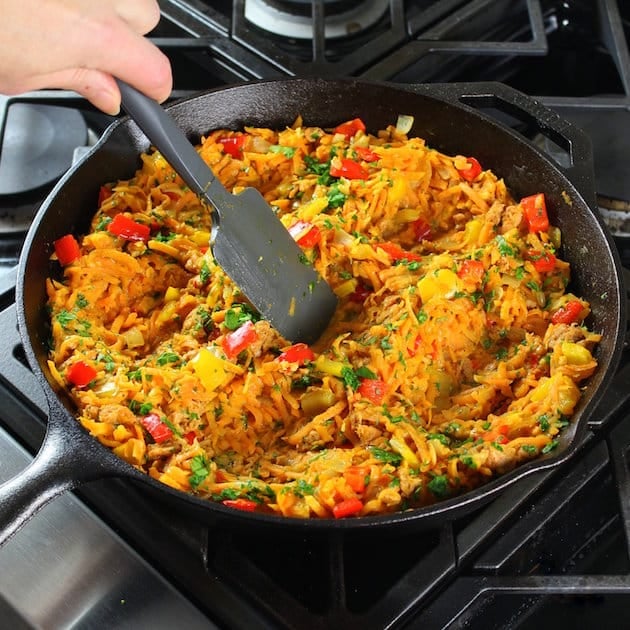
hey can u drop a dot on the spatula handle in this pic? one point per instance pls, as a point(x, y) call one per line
point(160, 128)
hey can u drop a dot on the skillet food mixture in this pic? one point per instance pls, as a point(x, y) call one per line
point(456, 352)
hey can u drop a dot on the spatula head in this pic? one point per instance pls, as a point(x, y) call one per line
point(260, 256)
point(248, 240)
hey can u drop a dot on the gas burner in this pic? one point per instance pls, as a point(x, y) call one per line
point(616, 214)
point(16, 214)
point(37, 146)
point(294, 18)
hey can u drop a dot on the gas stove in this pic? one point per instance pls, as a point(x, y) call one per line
point(553, 549)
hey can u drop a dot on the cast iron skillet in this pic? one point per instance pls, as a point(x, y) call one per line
point(454, 118)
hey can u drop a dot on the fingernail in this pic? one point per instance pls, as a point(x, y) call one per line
point(113, 111)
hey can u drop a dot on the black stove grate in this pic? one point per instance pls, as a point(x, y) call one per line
point(573, 56)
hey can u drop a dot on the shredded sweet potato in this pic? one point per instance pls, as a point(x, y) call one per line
point(442, 368)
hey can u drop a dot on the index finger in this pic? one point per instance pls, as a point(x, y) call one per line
point(125, 54)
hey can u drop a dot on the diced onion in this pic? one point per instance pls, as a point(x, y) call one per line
point(133, 338)
point(317, 401)
point(260, 145)
point(407, 215)
point(402, 449)
point(107, 388)
point(404, 123)
point(343, 238)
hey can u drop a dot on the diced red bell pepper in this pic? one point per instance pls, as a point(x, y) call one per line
point(535, 209)
point(373, 389)
point(104, 193)
point(568, 314)
point(233, 145)
point(366, 154)
point(241, 504)
point(158, 430)
point(421, 229)
point(413, 349)
point(533, 360)
point(474, 169)
point(67, 249)
point(190, 436)
point(356, 476)
point(347, 507)
point(80, 374)
point(472, 270)
point(360, 294)
point(238, 340)
point(417, 344)
point(498, 435)
point(310, 234)
point(297, 353)
point(345, 167)
point(543, 261)
point(397, 253)
point(350, 127)
point(127, 228)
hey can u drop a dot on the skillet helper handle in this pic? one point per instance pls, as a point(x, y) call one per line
point(487, 96)
point(160, 128)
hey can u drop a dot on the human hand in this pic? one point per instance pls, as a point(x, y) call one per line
point(82, 45)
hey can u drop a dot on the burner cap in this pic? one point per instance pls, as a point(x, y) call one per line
point(38, 144)
point(293, 18)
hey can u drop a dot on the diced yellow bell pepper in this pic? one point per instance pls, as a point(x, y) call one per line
point(201, 238)
point(441, 283)
point(472, 230)
point(132, 451)
point(176, 478)
point(541, 391)
point(402, 449)
point(209, 368)
point(576, 354)
point(564, 392)
point(172, 293)
point(168, 312)
point(346, 288)
point(121, 433)
point(568, 394)
point(312, 208)
point(329, 366)
point(397, 190)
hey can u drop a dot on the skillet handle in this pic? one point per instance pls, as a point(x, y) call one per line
point(574, 155)
point(64, 461)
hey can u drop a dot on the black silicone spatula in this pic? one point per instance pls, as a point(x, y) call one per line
point(248, 240)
